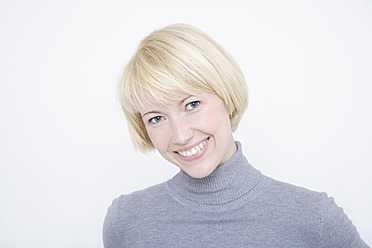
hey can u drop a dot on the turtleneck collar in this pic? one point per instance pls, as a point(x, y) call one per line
point(229, 186)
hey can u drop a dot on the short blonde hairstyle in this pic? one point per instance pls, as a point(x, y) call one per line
point(175, 60)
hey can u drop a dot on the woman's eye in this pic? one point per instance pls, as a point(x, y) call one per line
point(156, 119)
point(192, 105)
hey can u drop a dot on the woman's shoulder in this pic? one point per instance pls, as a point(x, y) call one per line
point(317, 210)
point(294, 194)
point(300, 203)
point(128, 211)
point(138, 200)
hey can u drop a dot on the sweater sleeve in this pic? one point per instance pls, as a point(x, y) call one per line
point(110, 237)
point(337, 230)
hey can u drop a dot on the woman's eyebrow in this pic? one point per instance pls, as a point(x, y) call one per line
point(158, 112)
point(151, 112)
point(184, 100)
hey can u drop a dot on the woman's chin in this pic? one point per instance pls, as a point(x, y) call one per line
point(199, 172)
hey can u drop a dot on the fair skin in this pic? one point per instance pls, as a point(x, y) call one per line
point(192, 132)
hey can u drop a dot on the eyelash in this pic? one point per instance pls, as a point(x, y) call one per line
point(154, 120)
point(193, 105)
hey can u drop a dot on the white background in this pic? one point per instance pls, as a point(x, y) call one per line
point(65, 153)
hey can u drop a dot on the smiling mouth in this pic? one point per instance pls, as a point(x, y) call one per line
point(194, 150)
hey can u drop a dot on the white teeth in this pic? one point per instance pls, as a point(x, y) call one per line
point(194, 150)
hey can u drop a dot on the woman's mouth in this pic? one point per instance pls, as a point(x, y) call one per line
point(194, 150)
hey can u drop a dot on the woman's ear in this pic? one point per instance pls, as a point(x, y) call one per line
point(232, 113)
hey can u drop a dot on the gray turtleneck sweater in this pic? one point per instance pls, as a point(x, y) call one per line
point(235, 206)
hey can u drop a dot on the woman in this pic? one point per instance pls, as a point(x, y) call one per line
point(183, 95)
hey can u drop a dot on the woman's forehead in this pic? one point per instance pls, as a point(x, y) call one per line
point(149, 103)
point(156, 97)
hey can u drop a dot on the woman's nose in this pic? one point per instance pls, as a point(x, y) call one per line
point(181, 132)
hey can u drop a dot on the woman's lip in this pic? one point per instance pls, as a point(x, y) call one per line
point(197, 155)
point(192, 146)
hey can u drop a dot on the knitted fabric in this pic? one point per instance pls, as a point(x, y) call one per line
point(235, 206)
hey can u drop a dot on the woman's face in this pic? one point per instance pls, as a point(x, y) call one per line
point(192, 132)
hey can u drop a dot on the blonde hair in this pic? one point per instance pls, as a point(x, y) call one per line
point(175, 60)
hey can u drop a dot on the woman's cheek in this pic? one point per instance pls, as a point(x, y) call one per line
point(158, 137)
